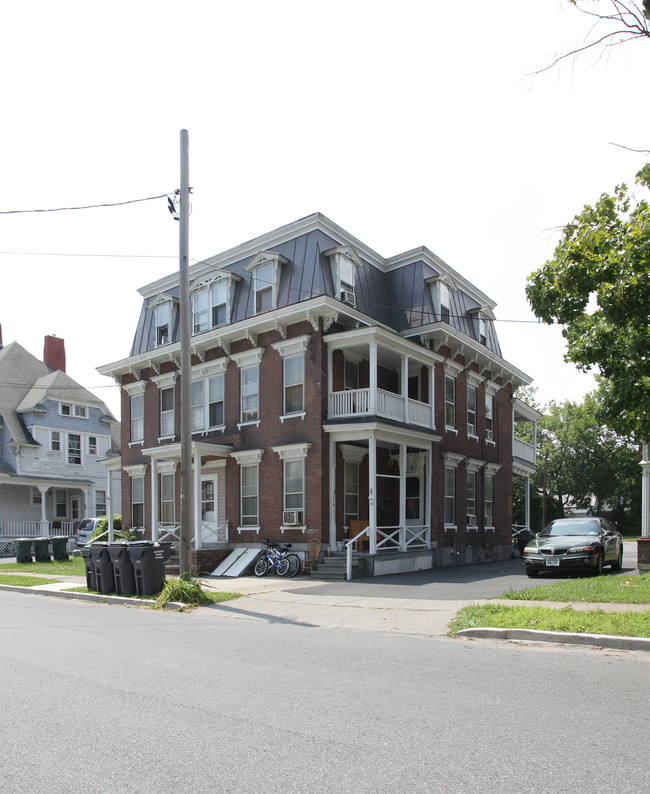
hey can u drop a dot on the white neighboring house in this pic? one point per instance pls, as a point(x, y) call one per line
point(59, 446)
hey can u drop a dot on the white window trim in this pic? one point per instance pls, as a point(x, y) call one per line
point(293, 452)
point(59, 433)
point(287, 349)
point(345, 293)
point(153, 305)
point(248, 457)
point(206, 284)
point(263, 258)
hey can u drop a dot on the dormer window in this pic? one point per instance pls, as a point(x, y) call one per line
point(164, 309)
point(479, 320)
point(441, 289)
point(211, 301)
point(265, 269)
point(344, 263)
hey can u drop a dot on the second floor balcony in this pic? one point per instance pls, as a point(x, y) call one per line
point(387, 405)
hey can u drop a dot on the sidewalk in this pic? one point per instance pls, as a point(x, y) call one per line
point(310, 604)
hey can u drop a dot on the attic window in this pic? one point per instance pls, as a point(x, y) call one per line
point(265, 269)
point(441, 299)
point(344, 263)
point(479, 320)
point(211, 301)
point(163, 323)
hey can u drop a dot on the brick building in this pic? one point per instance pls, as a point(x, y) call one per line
point(332, 389)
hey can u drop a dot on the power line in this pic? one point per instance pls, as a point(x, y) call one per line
point(115, 256)
point(86, 206)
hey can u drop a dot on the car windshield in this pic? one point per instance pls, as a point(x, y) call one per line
point(566, 526)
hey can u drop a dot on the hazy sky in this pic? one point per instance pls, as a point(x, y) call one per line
point(411, 123)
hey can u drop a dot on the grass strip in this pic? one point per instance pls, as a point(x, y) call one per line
point(209, 597)
point(75, 566)
point(620, 589)
point(626, 624)
point(25, 581)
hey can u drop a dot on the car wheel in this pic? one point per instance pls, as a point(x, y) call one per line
point(618, 562)
point(598, 567)
point(532, 572)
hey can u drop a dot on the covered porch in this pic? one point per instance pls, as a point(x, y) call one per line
point(210, 528)
point(380, 493)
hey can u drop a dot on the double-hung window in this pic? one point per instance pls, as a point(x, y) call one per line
point(249, 477)
point(137, 417)
point(265, 270)
point(167, 499)
point(292, 352)
point(450, 496)
point(293, 460)
point(55, 441)
point(211, 303)
point(208, 402)
point(250, 394)
point(100, 503)
point(471, 410)
point(450, 402)
point(489, 417)
point(471, 498)
point(92, 445)
point(167, 412)
point(74, 449)
point(61, 503)
point(137, 502)
point(163, 323)
point(488, 500)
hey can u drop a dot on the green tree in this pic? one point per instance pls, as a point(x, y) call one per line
point(583, 464)
point(598, 287)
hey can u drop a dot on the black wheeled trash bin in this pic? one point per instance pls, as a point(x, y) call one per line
point(149, 560)
point(23, 548)
point(122, 568)
point(42, 550)
point(60, 547)
point(86, 553)
point(104, 577)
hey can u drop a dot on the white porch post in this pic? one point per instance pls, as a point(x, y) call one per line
point(330, 379)
point(402, 497)
point(428, 496)
point(372, 401)
point(154, 499)
point(372, 491)
point(645, 492)
point(527, 520)
point(110, 512)
point(332, 490)
point(43, 523)
point(197, 500)
point(405, 386)
point(432, 401)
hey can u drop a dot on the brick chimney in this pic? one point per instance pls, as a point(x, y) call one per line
point(54, 353)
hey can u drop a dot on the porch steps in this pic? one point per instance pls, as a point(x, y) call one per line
point(333, 569)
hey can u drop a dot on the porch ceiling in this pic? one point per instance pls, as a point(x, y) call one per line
point(173, 451)
point(384, 435)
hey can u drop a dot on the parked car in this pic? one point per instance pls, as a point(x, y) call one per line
point(575, 544)
point(86, 528)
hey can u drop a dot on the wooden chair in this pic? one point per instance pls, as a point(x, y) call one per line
point(312, 554)
point(356, 525)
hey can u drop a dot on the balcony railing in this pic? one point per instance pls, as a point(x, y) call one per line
point(353, 402)
point(523, 451)
point(33, 529)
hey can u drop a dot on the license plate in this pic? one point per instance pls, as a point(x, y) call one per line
point(553, 561)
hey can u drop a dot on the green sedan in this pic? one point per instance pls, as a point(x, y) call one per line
point(574, 544)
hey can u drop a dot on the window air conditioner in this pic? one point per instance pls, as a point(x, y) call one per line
point(489, 521)
point(471, 430)
point(292, 518)
point(489, 435)
point(471, 521)
point(347, 296)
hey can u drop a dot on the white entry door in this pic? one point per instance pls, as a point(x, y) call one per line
point(209, 509)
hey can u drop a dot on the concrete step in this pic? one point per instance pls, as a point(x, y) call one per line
point(335, 569)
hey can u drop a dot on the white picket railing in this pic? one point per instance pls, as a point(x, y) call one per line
point(344, 404)
point(32, 529)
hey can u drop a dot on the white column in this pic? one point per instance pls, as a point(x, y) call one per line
point(402, 496)
point(432, 396)
point(45, 529)
point(330, 380)
point(428, 495)
point(405, 385)
point(372, 491)
point(332, 493)
point(372, 402)
point(154, 499)
point(197, 500)
point(527, 520)
point(110, 512)
point(645, 492)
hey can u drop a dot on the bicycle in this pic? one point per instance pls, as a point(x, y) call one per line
point(278, 558)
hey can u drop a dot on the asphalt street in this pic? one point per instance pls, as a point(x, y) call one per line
point(100, 697)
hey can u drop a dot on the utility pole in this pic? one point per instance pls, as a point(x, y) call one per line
point(186, 363)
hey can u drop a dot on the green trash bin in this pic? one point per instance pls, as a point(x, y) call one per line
point(23, 548)
point(42, 549)
point(60, 547)
point(149, 558)
point(87, 554)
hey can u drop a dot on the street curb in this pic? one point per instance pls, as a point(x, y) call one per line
point(171, 606)
point(565, 638)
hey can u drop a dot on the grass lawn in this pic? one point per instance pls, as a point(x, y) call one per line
point(619, 589)
point(627, 624)
point(25, 581)
point(73, 567)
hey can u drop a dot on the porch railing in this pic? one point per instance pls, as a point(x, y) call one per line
point(523, 450)
point(397, 538)
point(343, 404)
point(32, 529)
point(218, 534)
